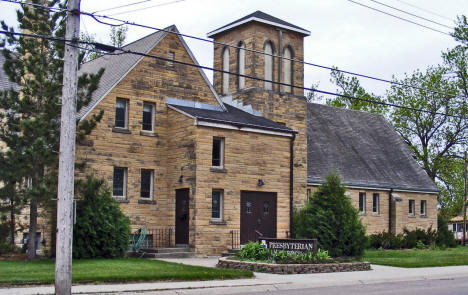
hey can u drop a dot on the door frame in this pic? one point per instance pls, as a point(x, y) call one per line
point(245, 236)
point(182, 234)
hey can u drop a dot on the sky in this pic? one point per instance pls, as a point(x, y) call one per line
point(343, 34)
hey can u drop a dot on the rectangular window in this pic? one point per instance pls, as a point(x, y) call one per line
point(217, 159)
point(146, 190)
point(216, 204)
point(423, 207)
point(362, 202)
point(120, 182)
point(121, 113)
point(170, 56)
point(309, 195)
point(375, 203)
point(148, 116)
point(454, 227)
point(411, 207)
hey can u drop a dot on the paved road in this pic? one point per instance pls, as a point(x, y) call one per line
point(457, 286)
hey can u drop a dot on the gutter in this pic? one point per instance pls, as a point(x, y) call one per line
point(291, 185)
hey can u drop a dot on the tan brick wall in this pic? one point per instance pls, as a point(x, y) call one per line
point(254, 35)
point(248, 157)
point(378, 222)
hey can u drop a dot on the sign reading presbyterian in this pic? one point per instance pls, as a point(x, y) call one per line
point(290, 245)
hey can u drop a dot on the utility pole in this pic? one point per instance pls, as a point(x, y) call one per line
point(464, 200)
point(66, 176)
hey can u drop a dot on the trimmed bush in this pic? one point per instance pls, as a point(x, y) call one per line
point(386, 240)
point(101, 229)
point(445, 238)
point(332, 220)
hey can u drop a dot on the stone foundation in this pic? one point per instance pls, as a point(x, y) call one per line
point(225, 262)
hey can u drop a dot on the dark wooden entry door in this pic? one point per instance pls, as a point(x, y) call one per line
point(182, 216)
point(258, 216)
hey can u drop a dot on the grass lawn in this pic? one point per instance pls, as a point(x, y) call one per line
point(418, 258)
point(108, 270)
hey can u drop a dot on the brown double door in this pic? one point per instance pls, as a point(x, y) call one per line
point(182, 216)
point(258, 216)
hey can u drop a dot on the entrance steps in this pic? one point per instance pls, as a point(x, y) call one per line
point(179, 251)
point(230, 252)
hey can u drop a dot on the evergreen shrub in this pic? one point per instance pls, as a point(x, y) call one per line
point(331, 218)
point(101, 229)
point(445, 238)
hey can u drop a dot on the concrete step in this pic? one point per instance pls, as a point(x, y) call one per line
point(229, 252)
point(166, 250)
point(172, 255)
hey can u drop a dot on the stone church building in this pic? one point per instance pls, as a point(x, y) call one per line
point(216, 165)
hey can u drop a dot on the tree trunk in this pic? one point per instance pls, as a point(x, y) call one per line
point(12, 223)
point(32, 229)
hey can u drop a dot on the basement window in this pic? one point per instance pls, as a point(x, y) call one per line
point(411, 207)
point(119, 183)
point(148, 117)
point(362, 203)
point(121, 113)
point(217, 159)
point(146, 191)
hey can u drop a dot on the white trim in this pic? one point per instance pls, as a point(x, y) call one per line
point(260, 20)
point(378, 188)
point(246, 129)
point(122, 77)
point(182, 112)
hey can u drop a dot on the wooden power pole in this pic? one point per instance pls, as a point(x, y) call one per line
point(66, 176)
point(464, 200)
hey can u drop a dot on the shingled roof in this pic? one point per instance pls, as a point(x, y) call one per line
point(363, 148)
point(117, 66)
point(5, 82)
point(262, 17)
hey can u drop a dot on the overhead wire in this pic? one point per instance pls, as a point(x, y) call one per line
point(126, 51)
point(122, 22)
point(148, 7)
point(399, 17)
point(425, 10)
point(122, 6)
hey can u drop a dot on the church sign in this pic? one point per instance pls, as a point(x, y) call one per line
point(290, 245)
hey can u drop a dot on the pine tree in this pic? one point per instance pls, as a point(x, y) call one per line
point(30, 120)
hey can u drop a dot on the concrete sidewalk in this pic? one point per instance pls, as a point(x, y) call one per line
point(261, 282)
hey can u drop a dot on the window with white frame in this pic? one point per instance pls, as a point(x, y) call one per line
point(309, 195)
point(241, 65)
point(146, 190)
point(119, 183)
point(423, 208)
point(217, 205)
point(411, 207)
point(225, 69)
point(268, 57)
point(362, 202)
point(148, 117)
point(121, 113)
point(375, 203)
point(217, 159)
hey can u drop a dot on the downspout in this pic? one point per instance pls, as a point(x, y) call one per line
point(390, 211)
point(280, 58)
point(291, 185)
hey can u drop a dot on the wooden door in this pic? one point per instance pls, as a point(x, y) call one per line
point(182, 216)
point(258, 216)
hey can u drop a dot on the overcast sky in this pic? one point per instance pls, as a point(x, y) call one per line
point(343, 34)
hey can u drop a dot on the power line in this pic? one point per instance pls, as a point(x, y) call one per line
point(125, 22)
point(400, 18)
point(143, 8)
point(425, 10)
point(122, 6)
point(126, 51)
point(412, 14)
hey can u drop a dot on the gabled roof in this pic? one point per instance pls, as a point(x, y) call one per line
point(5, 83)
point(235, 117)
point(117, 66)
point(363, 148)
point(261, 17)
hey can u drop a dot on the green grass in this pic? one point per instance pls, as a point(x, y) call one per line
point(112, 270)
point(418, 258)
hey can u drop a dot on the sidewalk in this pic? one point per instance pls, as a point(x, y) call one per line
point(261, 282)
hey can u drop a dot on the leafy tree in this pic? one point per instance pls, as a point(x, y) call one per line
point(332, 220)
point(118, 36)
point(101, 229)
point(451, 197)
point(30, 120)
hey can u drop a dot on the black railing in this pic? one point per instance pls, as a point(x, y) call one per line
point(158, 237)
point(235, 239)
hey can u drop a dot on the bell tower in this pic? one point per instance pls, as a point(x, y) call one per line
point(274, 48)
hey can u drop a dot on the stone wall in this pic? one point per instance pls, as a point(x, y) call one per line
point(225, 262)
point(248, 157)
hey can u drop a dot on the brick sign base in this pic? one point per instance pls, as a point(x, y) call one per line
point(225, 262)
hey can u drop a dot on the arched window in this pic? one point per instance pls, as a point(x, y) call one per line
point(268, 56)
point(241, 64)
point(287, 69)
point(226, 69)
